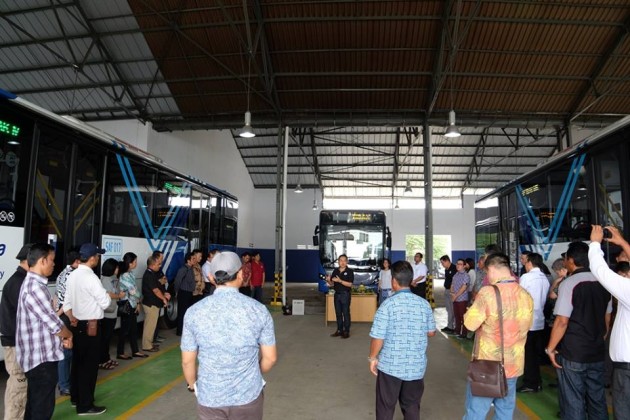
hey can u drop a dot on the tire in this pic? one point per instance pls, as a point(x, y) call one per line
point(169, 319)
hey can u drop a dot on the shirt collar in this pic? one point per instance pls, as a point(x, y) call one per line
point(38, 278)
point(226, 289)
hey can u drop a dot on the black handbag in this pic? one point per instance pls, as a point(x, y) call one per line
point(487, 377)
point(124, 308)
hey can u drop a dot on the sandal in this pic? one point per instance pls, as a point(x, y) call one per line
point(152, 349)
point(123, 357)
point(113, 362)
point(106, 366)
point(140, 355)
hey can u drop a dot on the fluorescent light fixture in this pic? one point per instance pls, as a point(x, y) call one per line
point(408, 188)
point(452, 130)
point(247, 131)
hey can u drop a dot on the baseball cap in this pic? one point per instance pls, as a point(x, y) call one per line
point(89, 250)
point(224, 265)
point(23, 252)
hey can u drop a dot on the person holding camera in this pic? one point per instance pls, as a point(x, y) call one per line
point(619, 287)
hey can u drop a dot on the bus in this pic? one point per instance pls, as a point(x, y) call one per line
point(362, 235)
point(546, 209)
point(65, 183)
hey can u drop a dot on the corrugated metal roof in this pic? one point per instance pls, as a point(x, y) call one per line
point(363, 76)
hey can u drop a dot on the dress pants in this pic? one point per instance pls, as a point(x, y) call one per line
point(459, 309)
point(420, 289)
point(86, 354)
point(107, 331)
point(128, 328)
point(15, 392)
point(42, 380)
point(184, 301)
point(151, 315)
point(533, 347)
point(391, 390)
point(342, 311)
point(448, 303)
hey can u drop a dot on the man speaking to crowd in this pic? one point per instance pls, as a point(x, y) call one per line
point(232, 335)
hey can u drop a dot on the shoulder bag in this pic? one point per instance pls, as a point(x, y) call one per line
point(124, 308)
point(487, 377)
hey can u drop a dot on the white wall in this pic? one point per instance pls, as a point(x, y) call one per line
point(301, 220)
point(210, 156)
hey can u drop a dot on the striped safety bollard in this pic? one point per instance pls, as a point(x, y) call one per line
point(277, 290)
point(429, 292)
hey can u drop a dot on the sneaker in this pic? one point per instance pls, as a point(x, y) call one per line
point(447, 330)
point(336, 334)
point(527, 389)
point(94, 411)
point(73, 403)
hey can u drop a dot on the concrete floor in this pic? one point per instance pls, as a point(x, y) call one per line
point(316, 377)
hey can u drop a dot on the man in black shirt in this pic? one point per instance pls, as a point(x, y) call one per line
point(153, 300)
point(15, 392)
point(577, 347)
point(341, 280)
point(449, 272)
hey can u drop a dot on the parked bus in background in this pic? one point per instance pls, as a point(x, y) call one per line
point(65, 183)
point(362, 235)
point(546, 209)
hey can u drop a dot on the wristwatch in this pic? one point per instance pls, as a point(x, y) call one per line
point(189, 388)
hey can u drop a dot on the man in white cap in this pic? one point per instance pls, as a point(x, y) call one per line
point(227, 323)
point(85, 302)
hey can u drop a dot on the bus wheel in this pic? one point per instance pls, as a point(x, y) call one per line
point(169, 319)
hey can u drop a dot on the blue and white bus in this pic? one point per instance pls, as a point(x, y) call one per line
point(66, 183)
point(546, 209)
point(362, 235)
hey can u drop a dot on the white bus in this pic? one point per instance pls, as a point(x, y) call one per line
point(66, 183)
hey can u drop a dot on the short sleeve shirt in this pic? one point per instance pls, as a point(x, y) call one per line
point(345, 275)
point(460, 279)
point(150, 281)
point(403, 322)
point(583, 300)
point(226, 330)
point(448, 276)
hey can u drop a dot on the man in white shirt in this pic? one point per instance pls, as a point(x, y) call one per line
point(84, 304)
point(419, 283)
point(208, 278)
point(537, 285)
point(619, 287)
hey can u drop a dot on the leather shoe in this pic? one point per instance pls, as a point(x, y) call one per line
point(526, 389)
point(336, 334)
point(93, 411)
point(345, 335)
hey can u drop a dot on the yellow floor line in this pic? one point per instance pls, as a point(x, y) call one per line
point(122, 370)
point(157, 394)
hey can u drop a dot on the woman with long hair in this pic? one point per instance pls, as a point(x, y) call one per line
point(129, 323)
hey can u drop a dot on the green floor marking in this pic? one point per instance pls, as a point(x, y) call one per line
point(124, 392)
point(545, 403)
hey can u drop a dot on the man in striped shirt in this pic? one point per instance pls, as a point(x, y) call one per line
point(40, 335)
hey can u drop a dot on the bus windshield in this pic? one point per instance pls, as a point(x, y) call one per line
point(362, 244)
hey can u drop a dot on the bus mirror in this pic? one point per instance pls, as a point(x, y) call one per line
point(388, 239)
point(315, 240)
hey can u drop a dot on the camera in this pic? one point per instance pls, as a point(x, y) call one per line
point(607, 234)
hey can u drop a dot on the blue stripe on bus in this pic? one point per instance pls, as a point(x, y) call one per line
point(133, 199)
point(566, 194)
point(7, 95)
point(143, 207)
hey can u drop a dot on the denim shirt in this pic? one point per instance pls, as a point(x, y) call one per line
point(226, 330)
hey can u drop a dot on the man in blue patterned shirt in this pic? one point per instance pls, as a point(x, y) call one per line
point(232, 335)
point(398, 350)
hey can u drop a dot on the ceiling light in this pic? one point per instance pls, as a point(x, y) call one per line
point(396, 207)
point(315, 208)
point(452, 130)
point(298, 189)
point(407, 188)
point(247, 131)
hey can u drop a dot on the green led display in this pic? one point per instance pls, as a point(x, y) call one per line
point(10, 129)
point(172, 188)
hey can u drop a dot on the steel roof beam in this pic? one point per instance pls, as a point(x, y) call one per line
point(419, 155)
point(596, 74)
point(342, 166)
point(318, 173)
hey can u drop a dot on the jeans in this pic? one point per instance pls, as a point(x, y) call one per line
point(63, 370)
point(581, 390)
point(342, 311)
point(383, 294)
point(477, 407)
point(40, 400)
point(621, 393)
